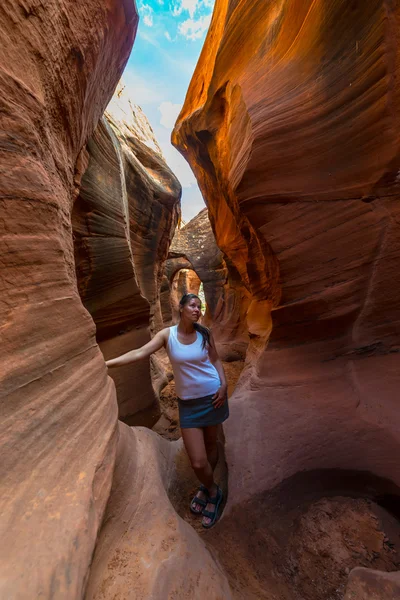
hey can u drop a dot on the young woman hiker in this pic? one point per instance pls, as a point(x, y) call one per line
point(201, 387)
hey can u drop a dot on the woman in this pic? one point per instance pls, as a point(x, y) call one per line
point(202, 396)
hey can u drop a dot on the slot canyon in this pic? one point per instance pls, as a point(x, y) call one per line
point(291, 125)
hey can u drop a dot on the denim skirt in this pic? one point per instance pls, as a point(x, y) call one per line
point(200, 412)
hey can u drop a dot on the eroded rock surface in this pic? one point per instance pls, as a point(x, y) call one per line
point(291, 124)
point(60, 63)
point(123, 222)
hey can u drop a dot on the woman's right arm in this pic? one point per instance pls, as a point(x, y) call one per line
point(158, 341)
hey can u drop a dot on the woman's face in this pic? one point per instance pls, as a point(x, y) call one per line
point(192, 310)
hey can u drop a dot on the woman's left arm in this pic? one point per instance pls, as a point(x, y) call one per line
point(221, 395)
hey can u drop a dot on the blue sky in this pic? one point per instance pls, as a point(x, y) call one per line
point(168, 43)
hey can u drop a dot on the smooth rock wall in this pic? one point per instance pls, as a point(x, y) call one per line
point(60, 62)
point(154, 195)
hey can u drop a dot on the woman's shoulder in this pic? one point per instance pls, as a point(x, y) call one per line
point(163, 333)
point(166, 332)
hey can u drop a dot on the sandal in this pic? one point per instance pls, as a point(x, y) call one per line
point(196, 500)
point(213, 515)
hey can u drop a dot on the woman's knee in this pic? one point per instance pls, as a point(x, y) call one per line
point(199, 463)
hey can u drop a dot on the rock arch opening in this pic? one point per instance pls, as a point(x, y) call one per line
point(185, 281)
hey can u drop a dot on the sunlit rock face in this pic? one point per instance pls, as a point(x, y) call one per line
point(153, 194)
point(60, 64)
point(291, 124)
point(123, 222)
point(194, 247)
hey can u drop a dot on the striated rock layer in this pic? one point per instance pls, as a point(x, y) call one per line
point(293, 133)
point(65, 462)
point(123, 221)
point(85, 211)
point(60, 63)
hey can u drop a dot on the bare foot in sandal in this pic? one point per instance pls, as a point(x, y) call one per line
point(210, 513)
point(199, 502)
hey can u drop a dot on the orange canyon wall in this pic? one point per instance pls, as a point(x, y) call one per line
point(292, 124)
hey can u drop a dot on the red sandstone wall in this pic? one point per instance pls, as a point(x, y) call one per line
point(65, 463)
point(59, 66)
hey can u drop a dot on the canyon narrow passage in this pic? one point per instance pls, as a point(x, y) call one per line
point(291, 128)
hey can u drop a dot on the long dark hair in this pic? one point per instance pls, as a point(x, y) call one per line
point(204, 331)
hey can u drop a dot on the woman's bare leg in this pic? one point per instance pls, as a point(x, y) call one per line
point(193, 438)
point(210, 441)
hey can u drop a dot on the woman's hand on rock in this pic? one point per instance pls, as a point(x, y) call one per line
point(220, 396)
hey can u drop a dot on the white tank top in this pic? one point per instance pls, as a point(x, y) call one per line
point(195, 376)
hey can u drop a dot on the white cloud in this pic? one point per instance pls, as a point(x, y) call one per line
point(177, 9)
point(146, 12)
point(191, 6)
point(191, 203)
point(169, 113)
point(167, 35)
point(142, 91)
point(174, 159)
point(177, 164)
point(193, 29)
